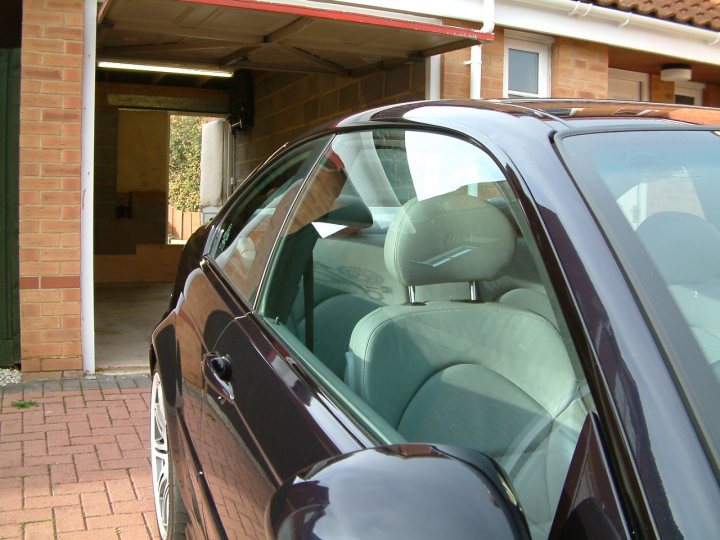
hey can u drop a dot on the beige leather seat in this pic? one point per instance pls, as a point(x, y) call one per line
point(489, 377)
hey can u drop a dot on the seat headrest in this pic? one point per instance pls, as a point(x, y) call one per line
point(448, 239)
point(685, 247)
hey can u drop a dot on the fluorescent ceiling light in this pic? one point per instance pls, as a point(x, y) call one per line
point(165, 69)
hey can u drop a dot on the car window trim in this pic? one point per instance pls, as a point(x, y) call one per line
point(209, 260)
point(663, 333)
point(291, 208)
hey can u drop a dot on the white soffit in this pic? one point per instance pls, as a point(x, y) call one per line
point(593, 23)
point(284, 35)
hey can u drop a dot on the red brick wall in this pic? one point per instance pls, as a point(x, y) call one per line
point(455, 73)
point(493, 66)
point(661, 91)
point(50, 110)
point(287, 104)
point(578, 69)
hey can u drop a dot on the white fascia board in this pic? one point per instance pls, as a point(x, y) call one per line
point(421, 10)
point(612, 27)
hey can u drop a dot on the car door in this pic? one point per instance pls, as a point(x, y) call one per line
point(260, 422)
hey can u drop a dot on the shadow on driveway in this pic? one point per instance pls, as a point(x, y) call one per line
point(75, 463)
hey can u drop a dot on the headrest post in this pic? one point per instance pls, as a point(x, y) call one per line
point(412, 298)
point(474, 291)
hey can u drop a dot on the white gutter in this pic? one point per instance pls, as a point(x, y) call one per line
point(589, 22)
point(624, 18)
point(87, 185)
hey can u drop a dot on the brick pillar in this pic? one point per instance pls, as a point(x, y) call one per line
point(579, 69)
point(661, 91)
point(455, 75)
point(50, 110)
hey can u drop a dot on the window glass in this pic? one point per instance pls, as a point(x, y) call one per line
point(244, 240)
point(524, 66)
point(684, 100)
point(405, 280)
point(657, 194)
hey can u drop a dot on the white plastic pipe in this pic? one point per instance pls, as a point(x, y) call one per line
point(623, 18)
point(475, 71)
point(488, 17)
point(87, 185)
point(432, 77)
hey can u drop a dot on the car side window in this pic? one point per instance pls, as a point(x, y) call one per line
point(243, 242)
point(405, 280)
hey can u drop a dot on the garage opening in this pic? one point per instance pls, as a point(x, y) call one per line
point(146, 209)
point(273, 70)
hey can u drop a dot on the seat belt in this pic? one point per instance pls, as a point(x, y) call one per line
point(308, 296)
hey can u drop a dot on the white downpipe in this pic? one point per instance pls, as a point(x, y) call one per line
point(576, 8)
point(87, 185)
point(475, 71)
point(488, 17)
point(432, 77)
point(488, 27)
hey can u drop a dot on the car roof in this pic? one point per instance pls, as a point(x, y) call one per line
point(568, 113)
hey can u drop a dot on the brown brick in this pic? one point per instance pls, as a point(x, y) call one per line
point(60, 282)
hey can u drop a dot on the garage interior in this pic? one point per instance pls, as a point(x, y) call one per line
point(272, 70)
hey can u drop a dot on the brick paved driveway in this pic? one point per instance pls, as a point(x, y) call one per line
point(76, 465)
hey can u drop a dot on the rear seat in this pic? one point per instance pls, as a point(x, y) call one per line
point(686, 250)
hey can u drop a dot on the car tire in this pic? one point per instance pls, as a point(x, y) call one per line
point(169, 508)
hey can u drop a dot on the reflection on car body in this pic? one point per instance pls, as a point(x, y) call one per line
point(446, 317)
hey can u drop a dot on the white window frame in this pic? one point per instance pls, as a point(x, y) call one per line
point(524, 41)
point(691, 89)
point(634, 76)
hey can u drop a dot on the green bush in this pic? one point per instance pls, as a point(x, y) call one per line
point(185, 143)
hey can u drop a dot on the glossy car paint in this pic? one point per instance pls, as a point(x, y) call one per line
point(232, 454)
point(450, 493)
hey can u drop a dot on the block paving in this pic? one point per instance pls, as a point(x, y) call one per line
point(77, 464)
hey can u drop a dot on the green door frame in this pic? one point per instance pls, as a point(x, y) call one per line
point(9, 178)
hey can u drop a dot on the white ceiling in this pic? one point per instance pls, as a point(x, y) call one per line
point(269, 35)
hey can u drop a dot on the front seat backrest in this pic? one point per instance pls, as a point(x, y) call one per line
point(488, 377)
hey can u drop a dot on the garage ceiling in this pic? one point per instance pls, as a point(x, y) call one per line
point(271, 35)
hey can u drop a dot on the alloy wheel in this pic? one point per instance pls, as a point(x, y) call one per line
point(159, 456)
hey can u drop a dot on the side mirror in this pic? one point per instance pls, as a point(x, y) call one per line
point(414, 491)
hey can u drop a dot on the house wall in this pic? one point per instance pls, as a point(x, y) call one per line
point(49, 192)
point(287, 104)
point(578, 69)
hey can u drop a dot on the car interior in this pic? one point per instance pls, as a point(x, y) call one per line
point(665, 190)
point(403, 282)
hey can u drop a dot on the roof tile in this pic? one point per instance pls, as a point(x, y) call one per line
point(700, 13)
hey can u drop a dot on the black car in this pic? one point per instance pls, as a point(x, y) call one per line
point(455, 319)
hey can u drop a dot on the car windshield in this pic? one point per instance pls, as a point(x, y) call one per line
point(657, 195)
